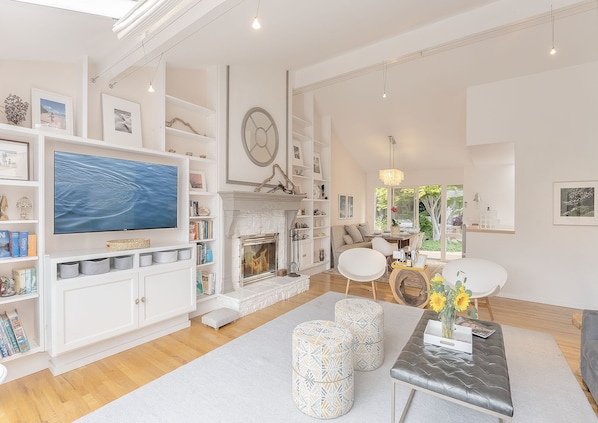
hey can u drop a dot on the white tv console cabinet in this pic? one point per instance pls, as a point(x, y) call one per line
point(97, 315)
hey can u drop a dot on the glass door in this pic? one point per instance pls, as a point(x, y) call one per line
point(454, 221)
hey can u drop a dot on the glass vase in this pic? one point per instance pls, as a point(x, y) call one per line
point(448, 324)
point(395, 231)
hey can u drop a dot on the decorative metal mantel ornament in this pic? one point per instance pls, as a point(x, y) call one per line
point(170, 122)
point(289, 188)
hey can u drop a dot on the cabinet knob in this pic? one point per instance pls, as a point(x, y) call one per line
point(136, 300)
point(142, 299)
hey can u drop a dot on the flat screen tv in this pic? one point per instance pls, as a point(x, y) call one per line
point(97, 194)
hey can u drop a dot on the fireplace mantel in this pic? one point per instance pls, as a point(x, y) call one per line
point(255, 201)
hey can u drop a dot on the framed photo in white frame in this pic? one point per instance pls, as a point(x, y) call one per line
point(345, 206)
point(121, 121)
point(15, 160)
point(197, 180)
point(297, 153)
point(317, 171)
point(51, 111)
point(575, 203)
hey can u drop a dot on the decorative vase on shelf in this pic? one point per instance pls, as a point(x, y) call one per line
point(448, 323)
point(395, 230)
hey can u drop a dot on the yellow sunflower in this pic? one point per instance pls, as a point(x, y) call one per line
point(461, 300)
point(438, 301)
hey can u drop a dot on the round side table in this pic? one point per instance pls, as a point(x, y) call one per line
point(409, 285)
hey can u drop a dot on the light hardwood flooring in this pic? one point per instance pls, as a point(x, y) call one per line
point(42, 397)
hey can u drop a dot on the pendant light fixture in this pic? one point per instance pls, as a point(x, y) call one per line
point(256, 22)
point(391, 176)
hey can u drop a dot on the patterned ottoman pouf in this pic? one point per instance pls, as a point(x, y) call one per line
point(365, 319)
point(322, 369)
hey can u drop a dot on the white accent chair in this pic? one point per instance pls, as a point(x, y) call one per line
point(485, 278)
point(361, 265)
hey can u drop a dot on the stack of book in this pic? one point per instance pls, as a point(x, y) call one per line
point(206, 282)
point(202, 229)
point(17, 244)
point(13, 339)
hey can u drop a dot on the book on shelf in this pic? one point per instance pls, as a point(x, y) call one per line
point(477, 328)
point(10, 335)
point(204, 254)
point(3, 346)
point(19, 330)
point(4, 243)
point(25, 280)
point(6, 346)
point(14, 244)
point(32, 250)
point(23, 244)
point(192, 231)
point(208, 282)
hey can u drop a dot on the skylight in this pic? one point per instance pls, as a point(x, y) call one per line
point(111, 8)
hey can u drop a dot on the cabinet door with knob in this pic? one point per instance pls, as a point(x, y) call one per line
point(166, 291)
point(94, 308)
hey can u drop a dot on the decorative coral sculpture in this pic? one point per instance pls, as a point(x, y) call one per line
point(15, 109)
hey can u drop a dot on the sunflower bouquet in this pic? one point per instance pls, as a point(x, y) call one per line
point(448, 300)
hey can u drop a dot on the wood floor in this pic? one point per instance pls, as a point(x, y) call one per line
point(42, 397)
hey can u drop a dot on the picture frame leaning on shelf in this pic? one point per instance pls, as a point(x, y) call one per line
point(14, 160)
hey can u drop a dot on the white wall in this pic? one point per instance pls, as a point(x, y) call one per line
point(252, 86)
point(347, 178)
point(551, 118)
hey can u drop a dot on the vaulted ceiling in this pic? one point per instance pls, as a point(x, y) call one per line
point(427, 53)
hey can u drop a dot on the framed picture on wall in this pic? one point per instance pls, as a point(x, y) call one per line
point(317, 166)
point(345, 206)
point(121, 121)
point(575, 203)
point(51, 111)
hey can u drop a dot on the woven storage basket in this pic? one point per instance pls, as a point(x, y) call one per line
point(127, 244)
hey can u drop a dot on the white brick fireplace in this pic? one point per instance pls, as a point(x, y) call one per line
point(251, 214)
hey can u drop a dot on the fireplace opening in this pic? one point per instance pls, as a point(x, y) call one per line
point(259, 257)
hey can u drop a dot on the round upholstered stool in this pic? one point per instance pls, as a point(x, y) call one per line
point(3, 373)
point(365, 320)
point(322, 369)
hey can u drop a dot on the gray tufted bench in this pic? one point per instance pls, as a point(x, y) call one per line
point(479, 381)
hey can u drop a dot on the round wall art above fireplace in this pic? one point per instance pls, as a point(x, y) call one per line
point(260, 136)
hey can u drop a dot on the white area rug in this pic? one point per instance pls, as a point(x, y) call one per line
point(249, 380)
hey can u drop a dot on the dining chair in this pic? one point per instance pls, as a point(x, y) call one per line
point(386, 248)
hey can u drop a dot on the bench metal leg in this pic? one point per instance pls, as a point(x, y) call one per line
point(405, 408)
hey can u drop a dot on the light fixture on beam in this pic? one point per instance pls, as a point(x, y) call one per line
point(391, 176)
point(553, 49)
point(384, 80)
point(151, 87)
